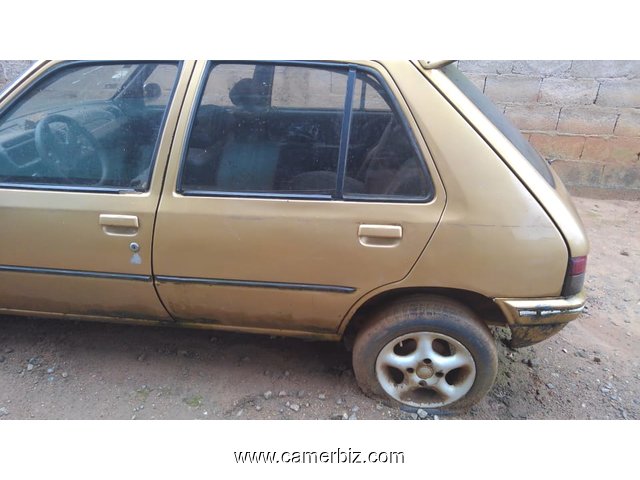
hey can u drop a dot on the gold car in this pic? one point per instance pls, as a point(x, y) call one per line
point(386, 203)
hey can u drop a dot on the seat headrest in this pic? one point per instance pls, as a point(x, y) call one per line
point(247, 94)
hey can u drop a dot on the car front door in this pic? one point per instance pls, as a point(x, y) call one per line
point(83, 149)
point(293, 189)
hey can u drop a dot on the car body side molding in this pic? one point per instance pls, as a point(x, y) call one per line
point(75, 273)
point(256, 284)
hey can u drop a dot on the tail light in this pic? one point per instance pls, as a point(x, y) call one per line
point(574, 281)
point(577, 265)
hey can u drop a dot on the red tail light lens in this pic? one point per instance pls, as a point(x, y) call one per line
point(577, 265)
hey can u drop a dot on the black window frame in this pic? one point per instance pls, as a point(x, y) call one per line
point(88, 63)
point(351, 71)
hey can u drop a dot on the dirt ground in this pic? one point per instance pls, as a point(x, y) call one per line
point(52, 369)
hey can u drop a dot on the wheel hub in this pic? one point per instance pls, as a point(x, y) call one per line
point(425, 369)
point(425, 372)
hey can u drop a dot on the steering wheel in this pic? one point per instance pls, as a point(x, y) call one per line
point(70, 152)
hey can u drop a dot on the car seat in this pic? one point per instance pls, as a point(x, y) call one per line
point(249, 158)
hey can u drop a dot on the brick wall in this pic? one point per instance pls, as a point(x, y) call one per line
point(582, 115)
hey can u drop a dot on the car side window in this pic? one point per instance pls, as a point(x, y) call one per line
point(158, 86)
point(270, 129)
point(308, 88)
point(266, 129)
point(382, 159)
point(87, 126)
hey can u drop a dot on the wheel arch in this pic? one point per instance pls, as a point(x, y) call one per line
point(484, 307)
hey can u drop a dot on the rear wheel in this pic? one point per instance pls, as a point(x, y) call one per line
point(425, 352)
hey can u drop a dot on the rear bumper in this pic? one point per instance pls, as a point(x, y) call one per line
point(534, 320)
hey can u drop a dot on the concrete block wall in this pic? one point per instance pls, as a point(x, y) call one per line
point(582, 115)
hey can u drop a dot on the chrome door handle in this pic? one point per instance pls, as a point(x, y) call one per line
point(380, 235)
point(119, 224)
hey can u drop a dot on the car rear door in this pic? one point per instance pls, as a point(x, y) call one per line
point(293, 189)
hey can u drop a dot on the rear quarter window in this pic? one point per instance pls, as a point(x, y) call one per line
point(502, 123)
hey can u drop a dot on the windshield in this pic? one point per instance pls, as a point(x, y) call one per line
point(488, 108)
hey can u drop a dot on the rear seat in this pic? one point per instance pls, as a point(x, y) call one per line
point(249, 158)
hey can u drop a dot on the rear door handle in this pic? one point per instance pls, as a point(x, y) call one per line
point(380, 235)
point(119, 224)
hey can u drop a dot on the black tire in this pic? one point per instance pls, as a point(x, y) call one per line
point(427, 315)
